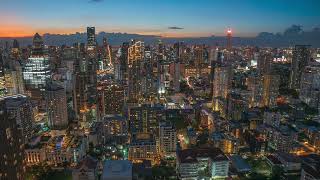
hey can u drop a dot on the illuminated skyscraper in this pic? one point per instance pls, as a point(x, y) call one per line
point(270, 89)
point(300, 59)
point(37, 68)
point(20, 107)
point(229, 39)
point(221, 84)
point(56, 103)
point(145, 118)
point(91, 38)
point(167, 139)
point(135, 59)
point(113, 98)
point(2, 77)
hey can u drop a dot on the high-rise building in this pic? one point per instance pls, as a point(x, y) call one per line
point(300, 59)
point(264, 62)
point(144, 118)
point(20, 106)
point(13, 79)
point(229, 39)
point(11, 146)
point(221, 84)
point(124, 61)
point(2, 77)
point(143, 147)
point(270, 89)
point(113, 99)
point(80, 94)
point(167, 139)
point(310, 86)
point(255, 88)
point(56, 104)
point(91, 38)
point(135, 59)
point(37, 68)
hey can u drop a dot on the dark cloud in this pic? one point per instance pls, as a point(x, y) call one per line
point(175, 27)
point(95, 1)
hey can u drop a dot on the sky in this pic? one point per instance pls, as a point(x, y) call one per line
point(167, 18)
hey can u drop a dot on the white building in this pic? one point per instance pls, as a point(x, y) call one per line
point(167, 139)
point(192, 163)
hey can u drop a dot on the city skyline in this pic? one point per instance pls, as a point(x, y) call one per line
point(162, 18)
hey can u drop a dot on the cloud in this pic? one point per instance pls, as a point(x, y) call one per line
point(95, 1)
point(175, 27)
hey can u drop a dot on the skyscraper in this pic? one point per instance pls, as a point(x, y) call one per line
point(300, 59)
point(167, 139)
point(229, 39)
point(11, 146)
point(2, 77)
point(56, 104)
point(144, 118)
point(135, 58)
point(20, 107)
point(91, 38)
point(113, 99)
point(37, 68)
point(270, 89)
point(221, 84)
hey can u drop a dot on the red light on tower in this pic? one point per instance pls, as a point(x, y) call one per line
point(229, 36)
point(229, 32)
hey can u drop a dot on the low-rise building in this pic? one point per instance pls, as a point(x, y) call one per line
point(86, 169)
point(192, 163)
point(117, 170)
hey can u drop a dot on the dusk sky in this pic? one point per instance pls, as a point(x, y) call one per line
point(186, 18)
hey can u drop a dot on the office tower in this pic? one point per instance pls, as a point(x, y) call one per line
point(80, 92)
point(56, 104)
point(107, 53)
point(37, 46)
point(37, 68)
point(264, 62)
point(164, 77)
point(91, 38)
point(11, 148)
point(229, 39)
point(135, 58)
point(310, 86)
point(167, 139)
point(13, 79)
point(2, 77)
point(198, 58)
point(144, 118)
point(237, 107)
point(124, 62)
point(255, 88)
point(113, 99)
point(20, 106)
point(221, 84)
point(15, 44)
point(300, 59)
point(270, 90)
point(15, 53)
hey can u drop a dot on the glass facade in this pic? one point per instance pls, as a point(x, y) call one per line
point(36, 71)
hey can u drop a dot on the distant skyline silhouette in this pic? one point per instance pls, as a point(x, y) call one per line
point(166, 18)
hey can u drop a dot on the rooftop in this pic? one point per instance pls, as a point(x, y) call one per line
point(113, 169)
point(191, 155)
